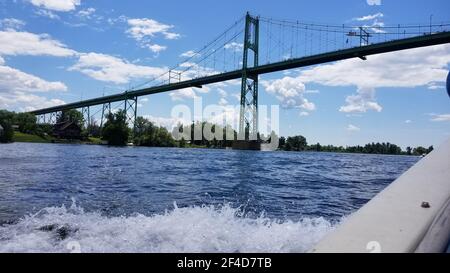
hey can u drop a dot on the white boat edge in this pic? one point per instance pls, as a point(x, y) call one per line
point(398, 219)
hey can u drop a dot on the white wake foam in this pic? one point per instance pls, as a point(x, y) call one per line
point(190, 229)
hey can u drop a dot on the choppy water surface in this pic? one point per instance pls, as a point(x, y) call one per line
point(174, 200)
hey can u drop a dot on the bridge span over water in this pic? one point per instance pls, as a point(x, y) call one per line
point(253, 46)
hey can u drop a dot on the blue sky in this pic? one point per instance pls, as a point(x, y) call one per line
point(60, 51)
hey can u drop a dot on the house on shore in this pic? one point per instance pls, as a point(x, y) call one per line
point(67, 130)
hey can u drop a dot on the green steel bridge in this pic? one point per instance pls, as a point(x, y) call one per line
point(253, 46)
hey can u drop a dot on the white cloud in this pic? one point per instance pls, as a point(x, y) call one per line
point(434, 86)
point(120, 19)
point(373, 2)
point(234, 46)
point(143, 30)
point(57, 5)
point(16, 88)
point(26, 43)
point(86, 13)
point(370, 17)
point(442, 117)
point(353, 128)
point(13, 80)
point(144, 27)
point(188, 54)
point(309, 106)
point(222, 93)
point(143, 100)
point(188, 64)
point(408, 121)
point(361, 102)
point(195, 71)
point(12, 23)
point(108, 68)
point(290, 92)
point(223, 102)
point(27, 102)
point(171, 35)
point(47, 13)
point(237, 96)
point(407, 69)
point(304, 114)
point(186, 93)
point(155, 48)
point(168, 123)
point(376, 26)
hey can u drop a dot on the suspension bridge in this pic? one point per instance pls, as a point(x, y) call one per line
point(253, 46)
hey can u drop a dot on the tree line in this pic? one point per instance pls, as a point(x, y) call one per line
point(117, 131)
point(299, 143)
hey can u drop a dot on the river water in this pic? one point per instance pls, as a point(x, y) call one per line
point(138, 199)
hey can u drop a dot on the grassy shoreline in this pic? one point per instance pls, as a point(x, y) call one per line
point(29, 138)
point(21, 137)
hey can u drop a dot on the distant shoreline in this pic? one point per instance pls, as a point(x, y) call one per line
point(96, 141)
point(22, 127)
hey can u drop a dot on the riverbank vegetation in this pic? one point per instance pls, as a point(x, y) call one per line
point(150, 135)
point(116, 131)
point(299, 143)
point(22, 127)
point(20, 123)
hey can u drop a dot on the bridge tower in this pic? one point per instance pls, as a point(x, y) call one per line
point(86, 112)
point(131, 105)
point(248, 119)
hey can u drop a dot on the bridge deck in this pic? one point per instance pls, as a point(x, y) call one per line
point(401, 44)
